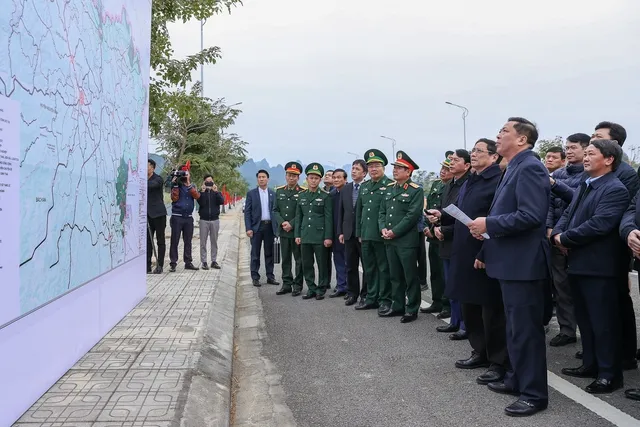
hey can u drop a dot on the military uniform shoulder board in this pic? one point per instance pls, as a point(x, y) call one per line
point(281, 187)
point(414, 185)
point(391, 183)
point(324, 191)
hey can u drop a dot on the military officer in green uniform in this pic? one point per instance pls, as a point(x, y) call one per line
point(398, 220)
point(314, 231)
point(434, 200)
point(374, 256)
point(284, 213)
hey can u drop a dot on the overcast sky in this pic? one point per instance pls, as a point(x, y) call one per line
point(318, 79)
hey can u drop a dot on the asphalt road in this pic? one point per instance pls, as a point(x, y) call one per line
point(341, 367)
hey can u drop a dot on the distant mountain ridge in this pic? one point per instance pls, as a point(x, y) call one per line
point(276, 173)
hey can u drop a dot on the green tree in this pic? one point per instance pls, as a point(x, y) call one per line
point(424, 178)
point(543, 145)
point(169, 72)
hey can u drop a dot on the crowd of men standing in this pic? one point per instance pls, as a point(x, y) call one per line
point(560, 234)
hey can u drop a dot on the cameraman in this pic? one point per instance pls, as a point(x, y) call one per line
point(209, 202)
point(183, 194)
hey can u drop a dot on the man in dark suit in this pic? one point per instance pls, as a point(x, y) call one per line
point(517, 254)
point(339, 180)
point(346, 225)
point(260, 228)
point(597, 259)
point(156, 217)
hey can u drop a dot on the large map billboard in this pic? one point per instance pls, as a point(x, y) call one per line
point(74, 80)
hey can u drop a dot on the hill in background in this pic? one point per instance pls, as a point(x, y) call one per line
point(276, 173)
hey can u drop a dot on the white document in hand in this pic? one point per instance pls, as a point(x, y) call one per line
point(461, 216)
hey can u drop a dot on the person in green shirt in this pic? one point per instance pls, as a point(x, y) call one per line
point(398, 219)
point(284, 213)
point(374, 255)
point(314, 231)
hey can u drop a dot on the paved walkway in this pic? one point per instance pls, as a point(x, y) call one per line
point(141, 373)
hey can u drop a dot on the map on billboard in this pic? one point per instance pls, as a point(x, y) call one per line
point(74, 81)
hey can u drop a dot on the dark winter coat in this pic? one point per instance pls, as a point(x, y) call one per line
point(567, 179)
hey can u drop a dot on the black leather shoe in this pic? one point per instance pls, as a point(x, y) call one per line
point(190, 266)
point(632, 393)
point(629, 364)
point(371, 306)
point(579, 355)
point(295, 293)
point(256, 283)
point(433, 308)
point(308, 296)
point(523, 408)
point(272, 282)
point(351, 301)
point(409, 317)
point(215, 265)
point(447, 328)
point(474, 362)
point(493, 375)
point(603, 386)
point(501, 388)
point(562, 340)
point(158, 270)
point(149, 271)
point(319, 297)
point(172, 268)
point(204, 266)
point(580, 372)
point(337, 293)
point(283, 291)
point(459, 336)
point(444, 314)
point(390, 313)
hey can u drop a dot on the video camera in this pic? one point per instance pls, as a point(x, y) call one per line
point(183, 171)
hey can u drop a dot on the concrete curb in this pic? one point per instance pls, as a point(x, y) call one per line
point(209, 398)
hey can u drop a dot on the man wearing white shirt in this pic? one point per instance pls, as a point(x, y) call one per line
point(260, 228)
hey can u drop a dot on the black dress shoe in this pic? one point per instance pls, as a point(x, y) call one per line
point(632, 393)
point(447, 328)
point(351, 301)
point(562, 340)
point(384, 307)
point(347, 297)
point(523, 408)
point(272, 282)
point(190, 266)
point(172, 268)
point(493, 375)
point(337, 293)
point(474, 362)
point(319, 297)
point(295, 293)
point(409, 317)
point(204, 266)
point(502, 388)
point(603, 386)
point(444, 314)
point(459, 336)
point(580, 372)
point(283, 291)
point(256, 283)
point(579, 355)
point(308, 296)
point(433, 308)
point(149, 271)
point(390, 313)
point(158, 270)
point(370, 306)
point(629, 364)
point(215, 265)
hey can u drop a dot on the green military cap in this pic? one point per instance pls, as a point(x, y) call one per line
point(402, 159)
point(375, 155)
point(293, 167)
point(446, 163)
point(314, 168)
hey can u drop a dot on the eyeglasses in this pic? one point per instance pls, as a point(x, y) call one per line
point(480, 151)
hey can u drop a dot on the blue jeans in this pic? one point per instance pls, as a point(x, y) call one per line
point(456, 308)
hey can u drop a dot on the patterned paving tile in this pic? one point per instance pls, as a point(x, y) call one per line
point(133, 406)
point(121, 332)
point(74, 382)
point(140, 321)
point(197, 320)
point(133, 424)
point(111, 345)
point(66, 408)
point(187, 332)
point(165, 360)
point(145, 381)
point(171, 344)
point(95, 361)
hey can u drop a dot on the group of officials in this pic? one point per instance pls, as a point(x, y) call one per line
point(561, 233)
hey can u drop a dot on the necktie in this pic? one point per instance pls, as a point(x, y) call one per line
point(354, 194)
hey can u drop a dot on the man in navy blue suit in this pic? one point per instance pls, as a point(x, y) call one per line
point(338, 248)
point(260, 228)
point(517, 254)
point(597, 259)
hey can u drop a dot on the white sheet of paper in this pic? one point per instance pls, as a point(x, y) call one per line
point(455, 212)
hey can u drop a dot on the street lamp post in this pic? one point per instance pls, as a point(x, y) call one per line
point(393, 144)
point(465, 113)
point(353, 154)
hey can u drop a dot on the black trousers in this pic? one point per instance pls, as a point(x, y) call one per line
point(264, 236)
point(548, 302)
point(422, 260)
point(353, 255)
point(329, 258)
point(524, 310)
point(596, 307)
point(157, 226)
point(628, 336)
point(486, 326)
point(180, 226)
